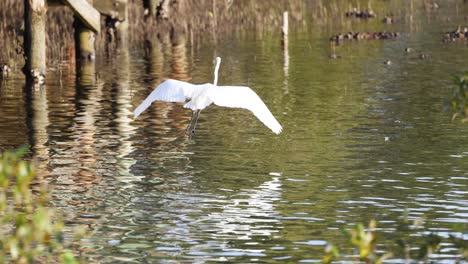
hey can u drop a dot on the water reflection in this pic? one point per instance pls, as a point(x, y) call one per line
point(179, 58)
point(180, 221)
point(87, 101)
point(246, 216)
point(151, 194)
point(155, 58)
point(37, 122)
point(124, 110)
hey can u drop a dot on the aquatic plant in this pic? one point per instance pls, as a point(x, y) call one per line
point(414, 242)
point(30, 231)
point(365, 240)
point(364, 243)
point(331, 252)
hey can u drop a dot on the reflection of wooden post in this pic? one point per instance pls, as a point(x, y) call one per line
point(85, 72)
point(179, 58)
point(155, 57)
point(35, 39)
point(40, 123)
point(84, 40)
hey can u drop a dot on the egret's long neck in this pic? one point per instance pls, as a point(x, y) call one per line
point(218, 62)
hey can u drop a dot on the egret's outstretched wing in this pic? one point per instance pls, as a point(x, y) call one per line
point(168, 91)
point(244, 97)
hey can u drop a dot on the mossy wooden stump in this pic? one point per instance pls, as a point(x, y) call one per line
point(35, 39)
point(87, 24)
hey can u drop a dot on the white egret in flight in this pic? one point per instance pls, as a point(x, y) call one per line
point(203, 95)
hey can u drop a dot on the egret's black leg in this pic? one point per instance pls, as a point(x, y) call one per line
point(197, 115)
point(189, 127)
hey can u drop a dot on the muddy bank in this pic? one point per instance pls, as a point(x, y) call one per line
point(199, 19)
point(196, 20)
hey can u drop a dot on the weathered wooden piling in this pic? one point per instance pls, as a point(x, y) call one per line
point(116, 13)
point(150, 7)
point(112, 8)
point(285, 31)
point(86, 24)
point(163, 9)
point(35, 38)
point(84, 42)
point(122, 27)
point(285, 44)
point(285, 27)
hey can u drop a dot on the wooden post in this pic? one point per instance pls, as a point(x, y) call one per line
point(285, 43)
point(85, 52)
point(84, 40)
point(86, 12)
point(35, 39)
point(285, 27)
point(285, 31)
point(122, 28)
point(111, 8)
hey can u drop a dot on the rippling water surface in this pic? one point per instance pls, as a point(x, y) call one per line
point(361, 140)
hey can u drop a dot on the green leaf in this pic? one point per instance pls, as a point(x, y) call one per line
point(68, 258)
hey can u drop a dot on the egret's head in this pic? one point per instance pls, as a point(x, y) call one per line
point(218, 62)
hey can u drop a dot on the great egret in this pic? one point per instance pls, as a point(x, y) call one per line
point(203, 95)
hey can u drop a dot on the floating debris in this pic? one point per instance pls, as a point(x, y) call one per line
point(273, 173)
point(388, 20)
point(388, 62)
point(363, 35)
point(459, 33)
point(334, 56)
point(361, 14)
point(37, 77)
point(431, 6)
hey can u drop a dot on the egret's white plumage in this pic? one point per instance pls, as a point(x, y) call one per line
point(203, 95)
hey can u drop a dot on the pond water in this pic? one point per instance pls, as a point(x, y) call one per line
point(362, 140)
